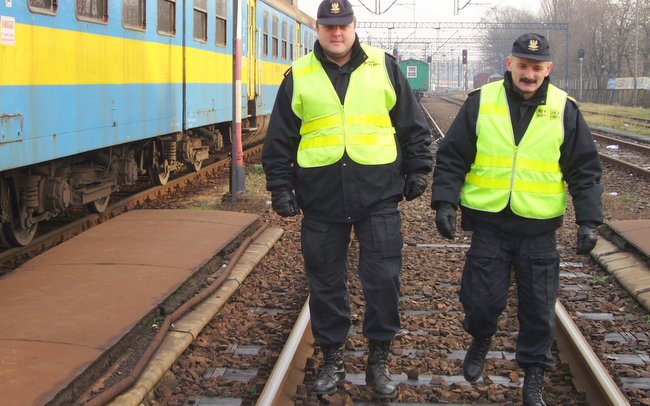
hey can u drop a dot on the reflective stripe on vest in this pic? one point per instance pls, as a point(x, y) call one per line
point(362, 127)
point(527, 175)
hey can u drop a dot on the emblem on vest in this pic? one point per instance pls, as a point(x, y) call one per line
point(546, 113)
point(371, 62)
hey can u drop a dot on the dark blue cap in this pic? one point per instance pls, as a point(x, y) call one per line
point(532, 46)
point(335, 12)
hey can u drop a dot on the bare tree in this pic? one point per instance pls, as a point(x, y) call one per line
point(498, 42)
point(614, 34)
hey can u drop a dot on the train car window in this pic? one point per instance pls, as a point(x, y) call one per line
point(274, 36)
point(411, 71)
point(304, 43)
point(284, 40)
point(43, 6)
point(222, 23)
point(134, 14)
point(265, 35)
point(291, 44)
point(92, 10)
point(167, 17)
point(201, 20)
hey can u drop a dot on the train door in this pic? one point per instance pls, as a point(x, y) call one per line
point(299, 46)
point(251, 38)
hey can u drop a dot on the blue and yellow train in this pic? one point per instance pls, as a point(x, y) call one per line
point(95, 94)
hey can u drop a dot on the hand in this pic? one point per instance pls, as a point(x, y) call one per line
point(284, 203)
point(446, 220)
point(587, 237)
point(416, 184)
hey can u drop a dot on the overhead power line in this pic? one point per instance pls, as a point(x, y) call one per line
point(378, 9)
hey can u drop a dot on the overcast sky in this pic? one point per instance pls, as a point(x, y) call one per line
point(419, 11)
point(422, 10)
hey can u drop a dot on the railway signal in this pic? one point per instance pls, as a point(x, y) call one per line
point(464, 58)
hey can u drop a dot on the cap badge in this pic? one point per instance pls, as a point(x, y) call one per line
point(336, 8)
point(533, 45)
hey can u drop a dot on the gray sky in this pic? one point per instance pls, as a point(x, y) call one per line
point(422, 10)
point(419, 11)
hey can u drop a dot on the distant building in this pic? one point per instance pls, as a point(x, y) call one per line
point(417, 74)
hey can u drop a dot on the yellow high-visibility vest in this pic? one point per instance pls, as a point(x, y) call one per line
point(527, 175)
point(362, 127)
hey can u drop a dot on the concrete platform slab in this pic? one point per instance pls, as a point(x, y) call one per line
point(630, 270)
point(64, 309)
point(637, 232)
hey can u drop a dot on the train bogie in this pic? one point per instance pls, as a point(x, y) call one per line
point(95, 94)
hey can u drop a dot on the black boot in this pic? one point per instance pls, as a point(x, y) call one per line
point(534, 386)
point(377, 375)
point(332, 372)
point(475, 358)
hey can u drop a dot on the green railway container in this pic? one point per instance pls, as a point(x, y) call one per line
point(417, 74)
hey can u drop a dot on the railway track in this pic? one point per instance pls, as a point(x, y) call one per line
point(587, 370)
point(629, 155)
point(235, 356)
point(627, 120)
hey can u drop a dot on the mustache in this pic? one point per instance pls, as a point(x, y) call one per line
point(529, 81)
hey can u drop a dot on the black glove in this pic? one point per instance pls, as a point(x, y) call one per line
point(446, 220)
point(416, 184)
point(587, 237)
point(284, 203)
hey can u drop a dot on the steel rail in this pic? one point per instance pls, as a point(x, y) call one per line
point(599, 136)
point(289, 371)
point(645, 122)
point(637, 169)
point(589, 374)
point(588, 371)
point(432, 123)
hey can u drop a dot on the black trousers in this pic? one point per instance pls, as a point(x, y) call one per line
point(325, 251)
point(485, 283)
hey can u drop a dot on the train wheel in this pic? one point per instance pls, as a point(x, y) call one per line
point(160, 175)
point(98, 205)
point(14, 234)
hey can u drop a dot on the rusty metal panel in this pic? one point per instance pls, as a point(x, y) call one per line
point(636, 232)
point(11, 127)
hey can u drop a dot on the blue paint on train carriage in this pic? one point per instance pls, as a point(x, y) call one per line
point(209, 103)
point(64, 120)
point(44, 122)
point(267, 99)
point(66, 20)
point(71, 85)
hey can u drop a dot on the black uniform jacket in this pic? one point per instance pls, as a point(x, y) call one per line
point(578, 160)
point(345, 191)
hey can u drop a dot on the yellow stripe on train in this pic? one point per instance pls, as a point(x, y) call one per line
point(50, 56)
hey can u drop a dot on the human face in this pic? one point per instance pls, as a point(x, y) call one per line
point(337, 41)
point(528, 74)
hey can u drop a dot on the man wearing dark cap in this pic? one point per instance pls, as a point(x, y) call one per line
point(347, 136)
point(509, 157)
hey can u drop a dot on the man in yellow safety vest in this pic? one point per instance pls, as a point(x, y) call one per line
point(347, 136)
point(507, 160)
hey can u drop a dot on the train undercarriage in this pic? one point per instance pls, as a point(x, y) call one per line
point(31, 195)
